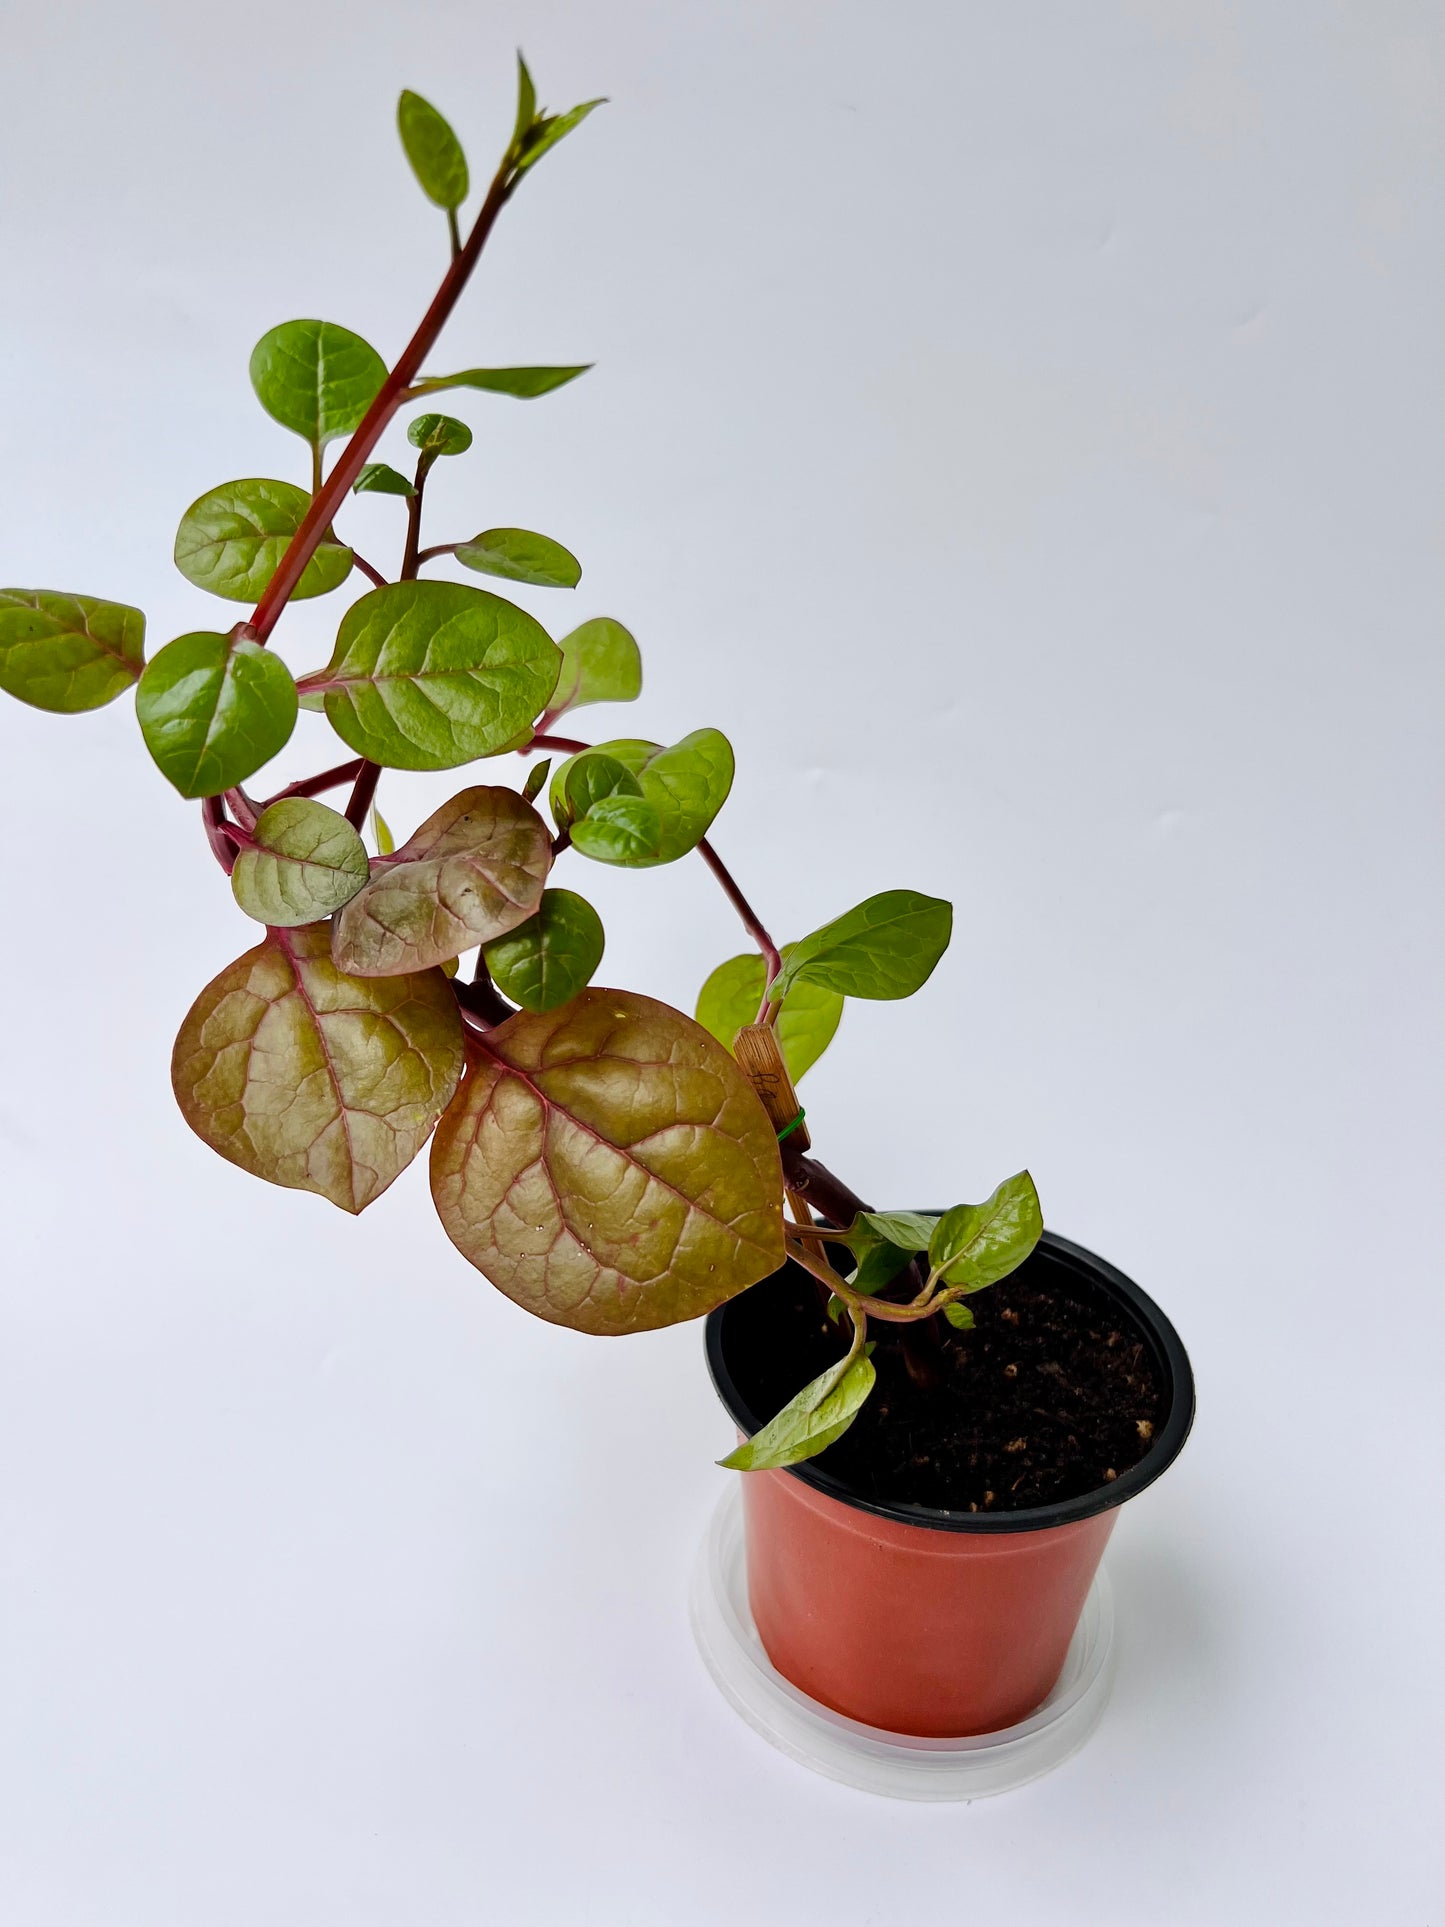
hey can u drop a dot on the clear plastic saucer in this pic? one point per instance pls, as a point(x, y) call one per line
point(865, 1756)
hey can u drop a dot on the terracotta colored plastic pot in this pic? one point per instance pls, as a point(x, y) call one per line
point(919, 1621)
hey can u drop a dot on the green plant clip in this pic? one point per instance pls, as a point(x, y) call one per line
point(791, 1127)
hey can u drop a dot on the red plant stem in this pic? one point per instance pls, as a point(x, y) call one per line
point(362, 793)
point(441, 548)
point(568, 744)
point(374, 575)
point(329, 779)
point(329, 498)
point(242, 808)
point(752, 923)
point(410, 557)
point(219, 833)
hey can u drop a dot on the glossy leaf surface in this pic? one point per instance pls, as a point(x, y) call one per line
point(733, 996)
point(439, 435)
point(305, 862)
point(68, 653)
point(427, 675)
point(686, 784)
point(433, 149)
point(974, 1245)
point(609, 1167)
point(524, 383)
point(316, 378)
point(473, 871)
point(520, 555)
point(601, 663)
point(377, 478)
point(886, 947)
point(308, 1078)
point(212, 711)
point(619, 829)
point(809, 1423)
point(546, 960)
point(232, 539)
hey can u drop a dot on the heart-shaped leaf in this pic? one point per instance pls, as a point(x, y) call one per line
point(308, 1078)
point(213, 710)
point(686, 785)
point(601, 663)
point(473, 871)
point(809, 1423)
point(433, 149)
point(305, 862)
point(427, 675)
point(609, 1167)
point(316, 379)
point(974, 1245)
point(66, 653)
point(376, 478)
point(521, 556)
point(886, 947)
point(524, 383)
point(733, 996)
point(545, 961)
point(438, 435)
point(233, 538)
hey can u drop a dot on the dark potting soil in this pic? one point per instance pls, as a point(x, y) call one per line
point(1053, 1394)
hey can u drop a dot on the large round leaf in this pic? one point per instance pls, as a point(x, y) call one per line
point(609, 1167)
point(733, 996)
point(232, 539)
point(213, 710)
point(427, 675)
point(305, 862)
point(309, 1078)
point(473, 871)
point(545, 961)
point(67, 652)
point(315, 378)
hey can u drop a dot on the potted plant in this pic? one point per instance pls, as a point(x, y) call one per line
point(929, 1475)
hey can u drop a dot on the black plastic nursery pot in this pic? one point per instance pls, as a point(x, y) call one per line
point(927, 1619)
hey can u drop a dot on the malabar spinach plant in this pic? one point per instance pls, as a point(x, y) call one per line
point(606, 1161)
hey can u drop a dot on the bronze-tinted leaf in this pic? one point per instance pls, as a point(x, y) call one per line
point(609, 1167)
point(309, 1078)
point(472, 872)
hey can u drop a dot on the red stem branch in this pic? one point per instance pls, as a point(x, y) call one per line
point(362, 793)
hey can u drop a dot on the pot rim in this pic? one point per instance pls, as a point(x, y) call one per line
point(1170, 1358)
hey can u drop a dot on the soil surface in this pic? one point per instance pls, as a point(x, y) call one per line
point(1053, 1394)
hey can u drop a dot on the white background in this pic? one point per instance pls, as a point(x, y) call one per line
point(1018, 428)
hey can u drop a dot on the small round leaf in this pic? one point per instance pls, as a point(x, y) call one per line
point(439, 435)
point(316, 379)
point(213, 710)
point(305, 862)
point(433, 149)
point(67, 653)
point(601, 663)
point(545, 961)
point(521, 556)
point(232, 539)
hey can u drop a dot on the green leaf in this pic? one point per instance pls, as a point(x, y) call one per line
point(878, 1265)
point(601, 663)
point(886, 947)
point(733, 996)
point(686, 785)
point(609, 1167)
point(439, 435)
point(959, 1316)
point(381, 833)
point(521, 556)
point(305, 862)
point(377, 479)
point(974, 1245)
point(586, 779)
point(536, 779)
point(473, 871)
point(308, 1078)
point(809, 1423)
point(526, 104)
point(908, 1230)
point(427, 675)
point(545, 134)
point(316, 379)
point(232, 539)
point(619, 829)
point(884, 1243)
point(66, 653)
point(525, 383)
point(433, 149)
point(545, 961)
point(213, 710)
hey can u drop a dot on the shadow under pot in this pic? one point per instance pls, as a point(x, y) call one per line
point(926, 1573)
